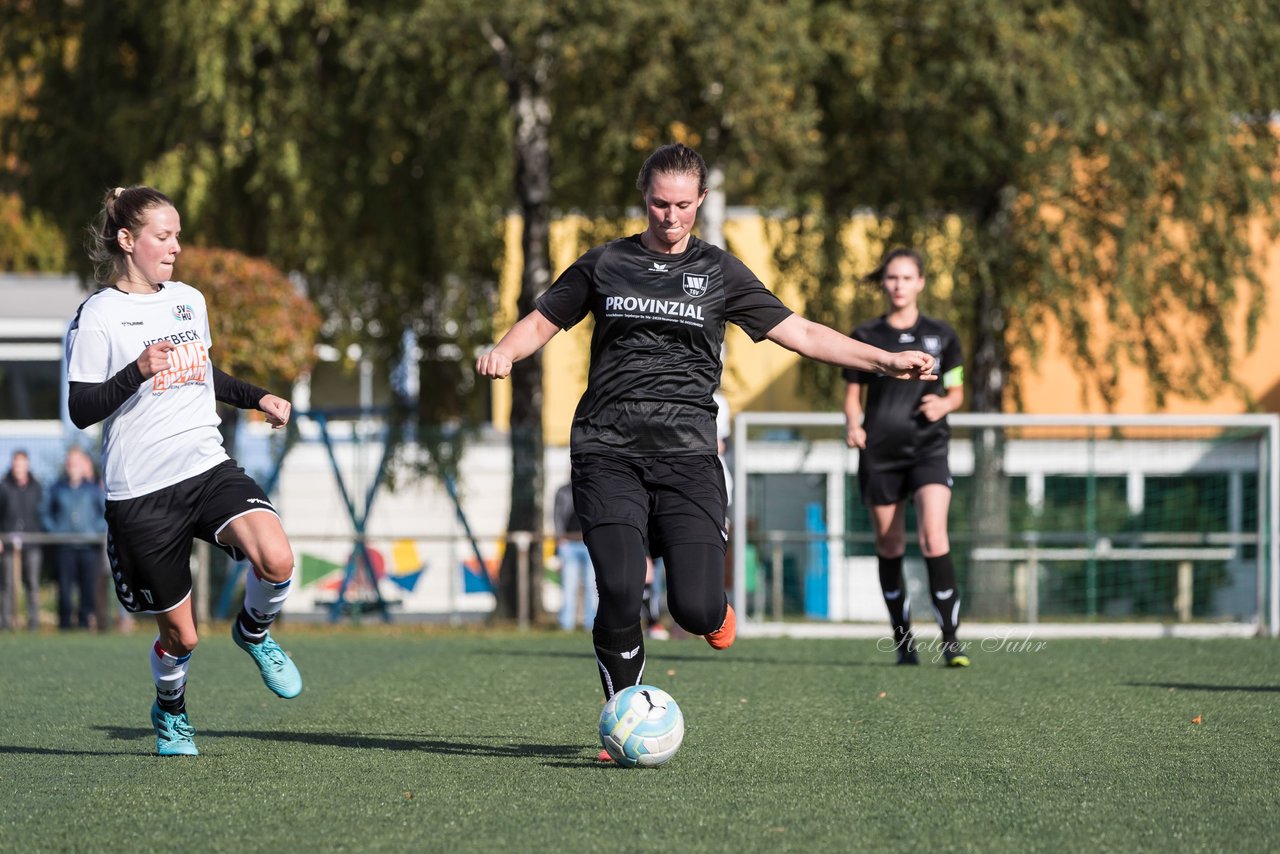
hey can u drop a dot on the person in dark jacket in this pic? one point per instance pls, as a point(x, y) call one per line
point(75, 505)
point(20, 497)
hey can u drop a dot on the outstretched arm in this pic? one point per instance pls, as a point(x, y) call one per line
point(824, 344)
point(244, 395)
point(524, 339)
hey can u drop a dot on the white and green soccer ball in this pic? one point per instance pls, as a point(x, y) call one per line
point(641, 725)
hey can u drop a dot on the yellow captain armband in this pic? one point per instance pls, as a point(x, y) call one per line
point(953, 377)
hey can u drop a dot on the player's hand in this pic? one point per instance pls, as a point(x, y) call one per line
point(911, 365)
point(277, 410)
point(933, 407)
point(155, 359)
point(494, 364)
point(856, 437)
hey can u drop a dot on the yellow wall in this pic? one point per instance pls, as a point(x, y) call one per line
point(762, 377)
point(1054, 385)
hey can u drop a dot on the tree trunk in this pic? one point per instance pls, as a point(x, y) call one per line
point(531, 114)
point(990, 587)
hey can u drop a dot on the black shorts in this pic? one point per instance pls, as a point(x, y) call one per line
point(889, 484)
point(671, 500)
point(149, 537)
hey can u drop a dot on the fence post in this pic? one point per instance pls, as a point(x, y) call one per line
point(775, 573)
point(522, 540)
point(1182, 600)
point(200, 572)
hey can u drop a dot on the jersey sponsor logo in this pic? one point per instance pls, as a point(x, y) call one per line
point(183, 312)
point(131, 323)
point(932, 344)
point(176, 338)
point(258, 501)
point(652, 307)
point(188, 364)
point(695, 285)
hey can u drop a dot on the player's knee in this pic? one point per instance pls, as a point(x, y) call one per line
point(277, 563)
point(933, 544)
point(179, 641)
point(890, 544)
point(698, 618)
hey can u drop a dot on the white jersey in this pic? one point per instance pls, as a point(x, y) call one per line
point(168, 431)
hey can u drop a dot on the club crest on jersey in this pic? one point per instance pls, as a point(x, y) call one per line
point(932, 343)
point(694, 285)
point(183, 312)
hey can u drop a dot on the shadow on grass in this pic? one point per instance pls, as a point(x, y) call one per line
point(21, 749)
point(654, 651)
point(1197, 686)
point(372, 741)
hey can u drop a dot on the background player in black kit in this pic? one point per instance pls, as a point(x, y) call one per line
point(646, 478)
point(903, 439)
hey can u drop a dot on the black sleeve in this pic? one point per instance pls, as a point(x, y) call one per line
point(89, 403)
point(238, 393)
point(568, 300)
point(748, 303)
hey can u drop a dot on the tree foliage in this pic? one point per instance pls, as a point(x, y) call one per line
point(243, 291)
point(1091, 161)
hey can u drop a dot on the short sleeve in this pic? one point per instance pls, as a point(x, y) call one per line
point(88, 348)
point(208, 336)
point(568, 300)
point(748, 303)
point(951, 367)
point(852, 375)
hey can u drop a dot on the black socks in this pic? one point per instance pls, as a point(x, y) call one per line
point(620, 654)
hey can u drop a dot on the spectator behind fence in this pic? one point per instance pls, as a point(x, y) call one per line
point(576, 571)
point(20, 496)
point(75, 505)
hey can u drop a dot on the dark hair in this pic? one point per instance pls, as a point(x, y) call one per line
point(123, 207)
point(877, 275)
point(673, 159)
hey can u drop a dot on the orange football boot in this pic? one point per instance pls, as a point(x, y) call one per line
point(723, 637)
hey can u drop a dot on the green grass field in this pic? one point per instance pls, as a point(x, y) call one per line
point(409, 739)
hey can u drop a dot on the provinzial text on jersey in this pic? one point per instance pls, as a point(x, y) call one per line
point(653, 306)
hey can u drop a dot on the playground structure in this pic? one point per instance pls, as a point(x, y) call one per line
point(363, 565)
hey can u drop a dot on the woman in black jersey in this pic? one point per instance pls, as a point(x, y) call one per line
point(646, 478)
point(903, 435)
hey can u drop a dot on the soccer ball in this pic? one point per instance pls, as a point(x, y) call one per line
point(641, 725)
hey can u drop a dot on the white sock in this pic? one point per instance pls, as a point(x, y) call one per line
point(170, 675)
point(262, 603)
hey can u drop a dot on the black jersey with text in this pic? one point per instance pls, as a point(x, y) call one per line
point(896, 432)
point(655, 350)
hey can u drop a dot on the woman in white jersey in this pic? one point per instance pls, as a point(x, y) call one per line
point(138, 360)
